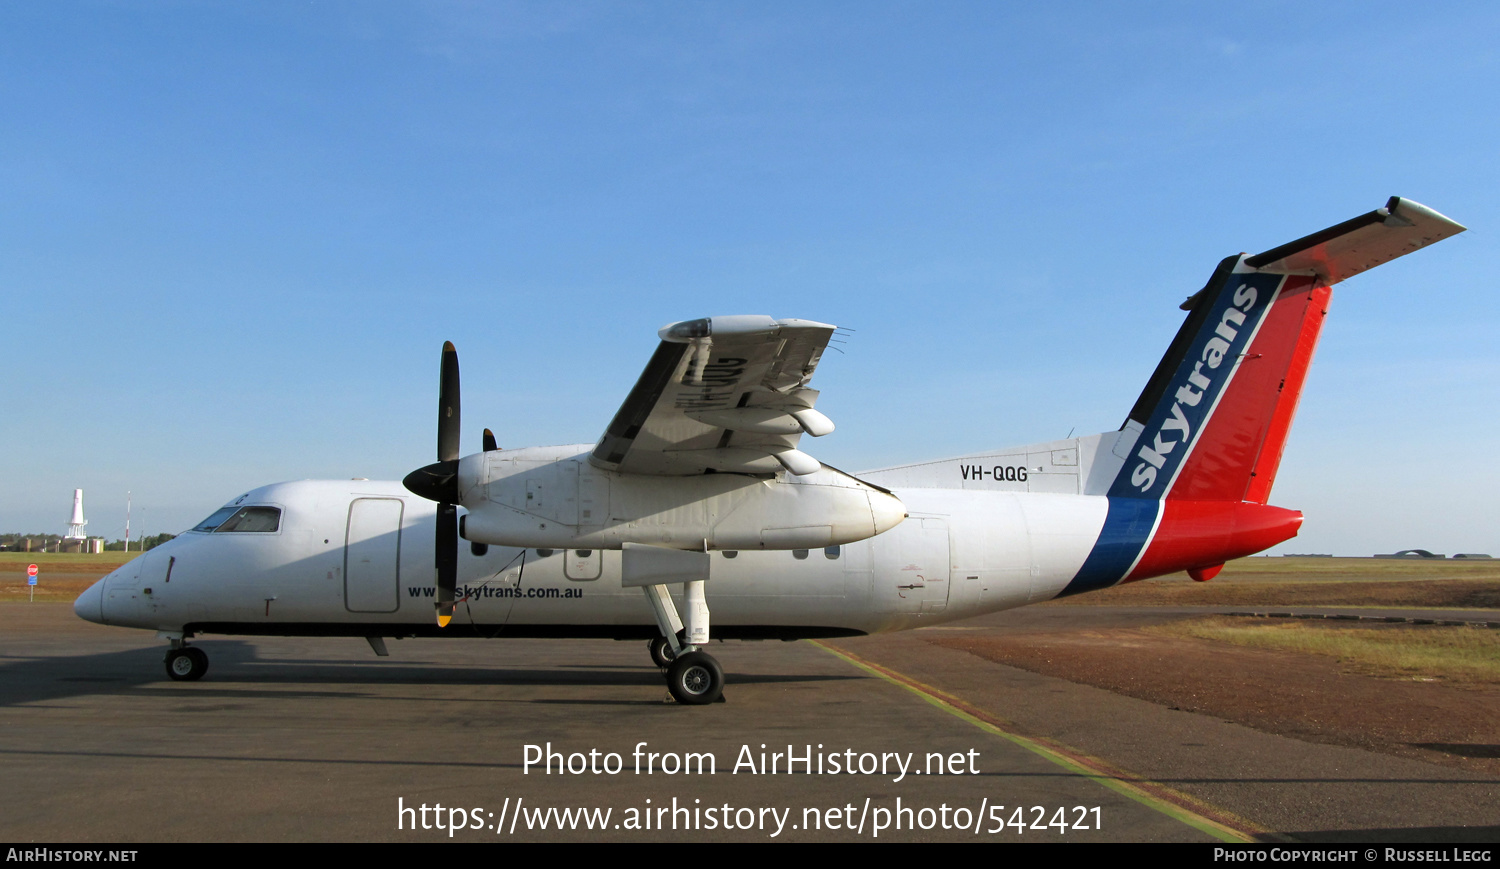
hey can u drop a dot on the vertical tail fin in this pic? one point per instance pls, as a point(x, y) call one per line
point(1213, 420)
point(1202, 444)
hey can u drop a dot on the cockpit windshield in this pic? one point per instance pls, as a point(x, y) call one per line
point(254, 519)
point(216, 519)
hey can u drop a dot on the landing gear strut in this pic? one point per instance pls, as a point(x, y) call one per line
point(693, 677)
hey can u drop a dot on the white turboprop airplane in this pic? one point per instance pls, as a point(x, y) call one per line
point(699, 481)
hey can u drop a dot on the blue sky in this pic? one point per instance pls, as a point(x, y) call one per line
point(235, 236)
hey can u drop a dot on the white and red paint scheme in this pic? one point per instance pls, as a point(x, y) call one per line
point(788, 549)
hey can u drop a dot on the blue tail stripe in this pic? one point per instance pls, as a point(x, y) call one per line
point(1127, 526)
point(1202, 374)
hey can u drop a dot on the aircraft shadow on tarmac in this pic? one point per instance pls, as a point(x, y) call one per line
point(1402, 835)
point(237, 669)
point(1462, 749)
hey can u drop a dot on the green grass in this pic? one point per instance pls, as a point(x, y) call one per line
point(61, 576)
point(1453, 653)
point(1366, 569)
point(1342, 582)
point(68, 559)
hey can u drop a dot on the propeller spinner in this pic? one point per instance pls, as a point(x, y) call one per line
point(439, 482)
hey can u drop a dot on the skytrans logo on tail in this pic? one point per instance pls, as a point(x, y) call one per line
point(1234, 318)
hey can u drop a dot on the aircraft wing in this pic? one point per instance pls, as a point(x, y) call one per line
point(721, 394)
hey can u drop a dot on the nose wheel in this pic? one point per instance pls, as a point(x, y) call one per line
point(186, 664)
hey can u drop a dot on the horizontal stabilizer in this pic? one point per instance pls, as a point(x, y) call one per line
point(1353, 246)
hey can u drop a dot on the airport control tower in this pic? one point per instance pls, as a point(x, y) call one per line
point(75, 527)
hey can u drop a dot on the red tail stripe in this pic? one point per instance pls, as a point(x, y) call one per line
point(1269, 460)
point(1204, 533)
point(1227, 448)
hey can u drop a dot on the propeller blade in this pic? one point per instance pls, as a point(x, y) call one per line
point(446, 561)
point(448, 406)
point(489, 441)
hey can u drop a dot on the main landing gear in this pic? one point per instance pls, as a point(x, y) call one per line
point(662, 653)
point(694, 678)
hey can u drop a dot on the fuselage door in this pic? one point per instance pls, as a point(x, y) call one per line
point(912, 566)
point(372, 555)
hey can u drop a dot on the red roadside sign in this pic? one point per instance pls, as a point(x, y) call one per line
point(31, 570)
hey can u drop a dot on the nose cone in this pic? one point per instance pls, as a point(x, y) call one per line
point(887, 510)
point(90, 604)
point(435, 482)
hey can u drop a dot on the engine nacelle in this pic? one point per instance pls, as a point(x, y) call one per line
point(553, 498)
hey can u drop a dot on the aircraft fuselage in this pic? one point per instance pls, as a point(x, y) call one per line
point(355, 558)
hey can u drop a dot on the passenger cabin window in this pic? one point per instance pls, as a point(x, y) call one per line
point(799, 554)
point(830, 552)
point(254, 519)
point(731, 553)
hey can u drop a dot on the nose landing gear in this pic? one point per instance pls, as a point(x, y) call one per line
point(186, 663)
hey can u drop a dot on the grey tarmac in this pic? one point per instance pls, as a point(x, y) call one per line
point(291, 739)
point(1299, 790)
